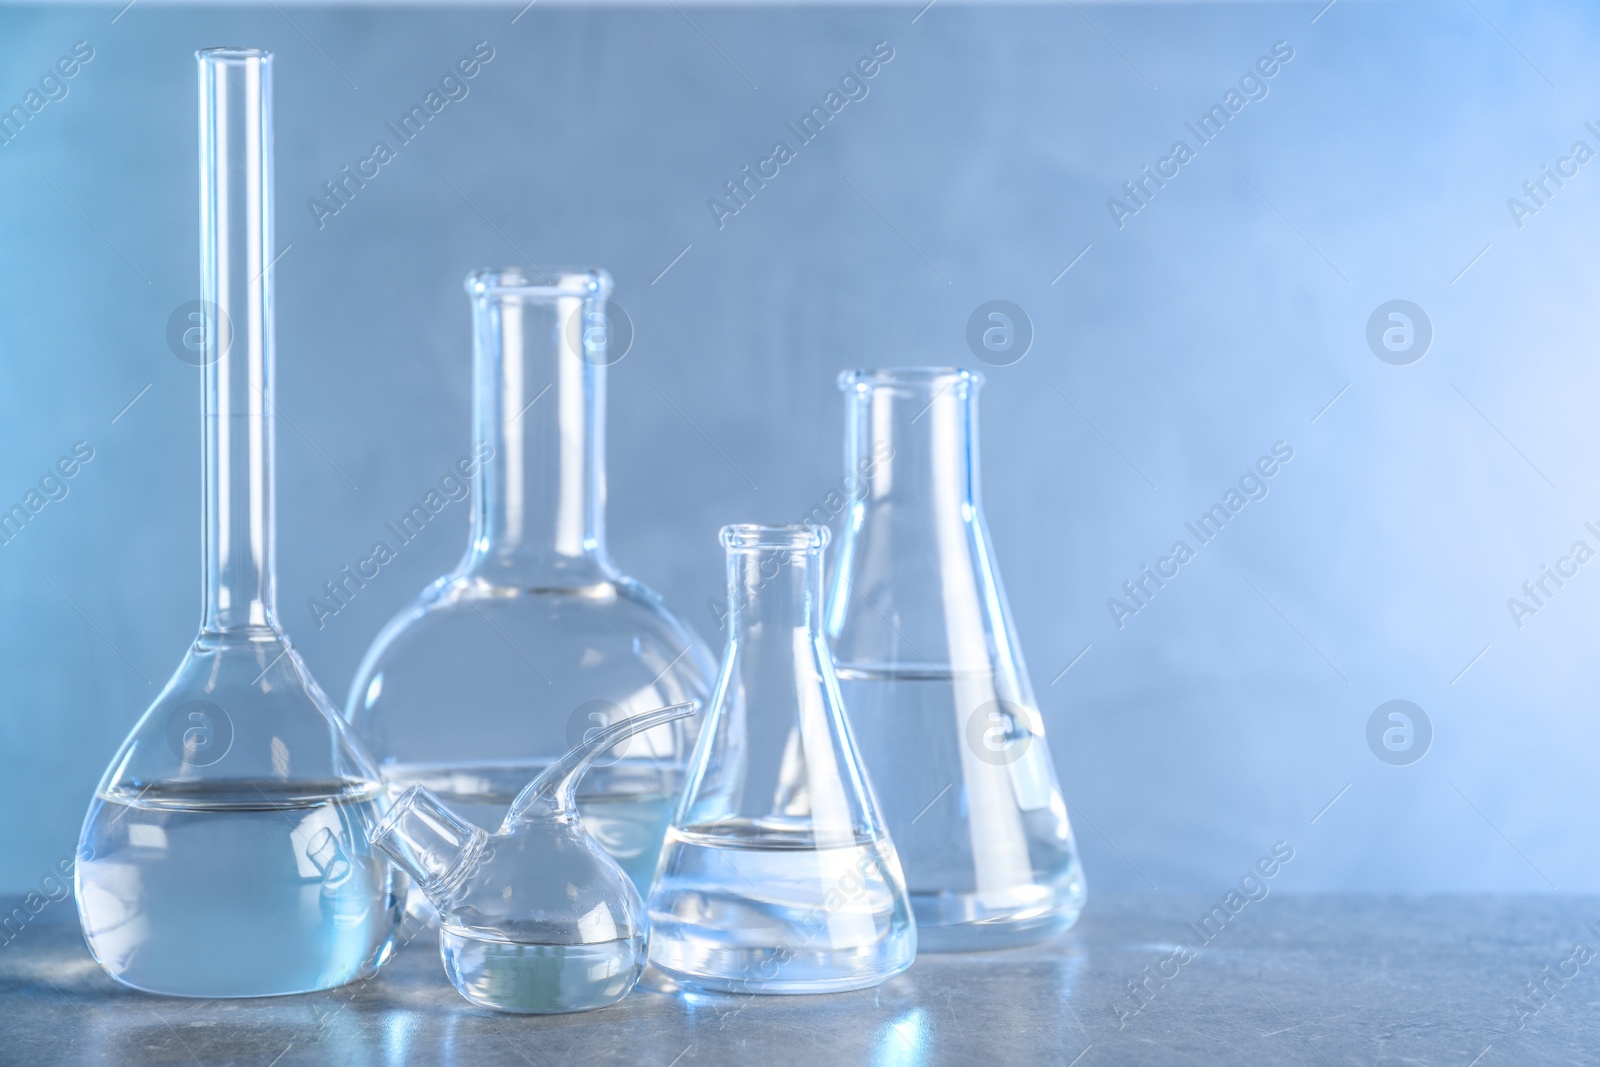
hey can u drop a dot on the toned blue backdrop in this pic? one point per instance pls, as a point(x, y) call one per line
point(1198, 326)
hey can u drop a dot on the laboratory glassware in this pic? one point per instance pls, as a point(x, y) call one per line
point(536, 638)
point(536, 917)
point(226, 852)
point(777, 875)
point(930, 668)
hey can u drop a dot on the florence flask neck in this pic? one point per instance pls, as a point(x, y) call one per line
point(539, 354)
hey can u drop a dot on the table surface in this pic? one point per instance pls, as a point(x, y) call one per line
point(1287, 980)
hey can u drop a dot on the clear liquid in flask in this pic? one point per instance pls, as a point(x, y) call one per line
point(977, 819)
point(235, 889)
point(744, 909)
point(494, 971)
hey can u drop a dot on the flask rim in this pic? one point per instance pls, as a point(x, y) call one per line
point(749, 535)
point(915, 379)
point(232, 54)
point(587, 282)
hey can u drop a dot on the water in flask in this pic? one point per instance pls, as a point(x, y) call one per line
point(798, 916)
point(536, 917)
point(777, 875)
point(977, 838)
point(235, 889)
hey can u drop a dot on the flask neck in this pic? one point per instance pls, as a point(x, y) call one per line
point(774, 591)
point(431, 843)
point(911, 441)
point(775, 605)
point(538, 515)
point(236, 253)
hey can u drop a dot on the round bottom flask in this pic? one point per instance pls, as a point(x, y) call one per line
point(537, 639)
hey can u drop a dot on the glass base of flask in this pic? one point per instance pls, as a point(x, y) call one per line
point(968, 922)
point(208, 890)
point(777, 916)
point(495, 972)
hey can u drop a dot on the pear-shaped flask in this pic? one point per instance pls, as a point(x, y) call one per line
point(536, 917)
point(777, 875)
point(536, 640)
point(930, 668)
point(226, 852)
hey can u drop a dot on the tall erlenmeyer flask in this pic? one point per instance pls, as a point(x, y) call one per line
point(536, 640)
point(226, 851)
point(932, 674)
point(777, 875)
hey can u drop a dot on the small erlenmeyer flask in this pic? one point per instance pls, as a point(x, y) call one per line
point(931, 671)
point(226, 852)
point(777, 875)
point(536, 639)
point(536, 917)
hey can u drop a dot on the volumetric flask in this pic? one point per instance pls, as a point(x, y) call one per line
point(930, 668)
point(226, 851)
point(536, 640)
point(777, 875)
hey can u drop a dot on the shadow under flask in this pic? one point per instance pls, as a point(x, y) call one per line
point(536, 917)
point(536, 640)
point(932, 673)
point(777, 875)
point(226, 852)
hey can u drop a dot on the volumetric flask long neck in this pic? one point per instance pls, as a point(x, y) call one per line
point(539, 352)
point(236, 242)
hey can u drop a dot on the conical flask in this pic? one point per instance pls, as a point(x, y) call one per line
point(930, 668)
point(536, 639)
point(536, 917)
point(777, 875)
point(226, 851)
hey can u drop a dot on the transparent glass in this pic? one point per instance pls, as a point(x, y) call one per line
point(932, 673)
point(537, 917)
point(536, 639)
point(226, 851)
point(777, 875)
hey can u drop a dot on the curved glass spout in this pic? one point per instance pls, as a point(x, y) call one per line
point(554, 794)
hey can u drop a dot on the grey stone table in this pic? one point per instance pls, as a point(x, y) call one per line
point(1451, 981)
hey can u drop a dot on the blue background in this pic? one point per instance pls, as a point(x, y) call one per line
point(1222, 318)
